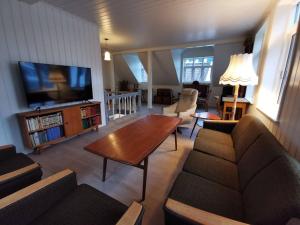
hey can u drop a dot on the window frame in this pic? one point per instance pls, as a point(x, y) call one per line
point(193, 67)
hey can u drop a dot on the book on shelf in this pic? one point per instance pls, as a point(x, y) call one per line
point(43, 122)
point(89, 111)
point(89, 122)
point(50, 134)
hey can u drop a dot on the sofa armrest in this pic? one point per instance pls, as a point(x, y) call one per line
point(225, 126)
point(170, 109)
point(36, 199)
point(198, 216)
point(7, 151)
point(133, 215)
point(17, 173)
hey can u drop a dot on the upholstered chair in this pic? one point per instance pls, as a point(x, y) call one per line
point(186, 106)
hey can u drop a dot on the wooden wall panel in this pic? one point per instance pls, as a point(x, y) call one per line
point(46, 34)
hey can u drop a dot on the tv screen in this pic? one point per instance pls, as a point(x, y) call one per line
point(47, 84)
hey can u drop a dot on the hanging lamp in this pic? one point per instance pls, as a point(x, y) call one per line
point(106, 53)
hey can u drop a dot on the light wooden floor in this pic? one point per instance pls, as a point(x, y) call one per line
point(123, 183)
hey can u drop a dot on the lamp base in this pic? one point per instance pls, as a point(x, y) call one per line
point(235, 97)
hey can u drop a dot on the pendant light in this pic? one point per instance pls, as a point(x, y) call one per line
point(106, 53)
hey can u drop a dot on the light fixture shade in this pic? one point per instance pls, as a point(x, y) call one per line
point(240, 71)
point(107, 56)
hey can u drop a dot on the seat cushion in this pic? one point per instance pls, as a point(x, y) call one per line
point(212, 168)
point(273, 195)
point(84, 206)
point(13, 163)
point(211, 147)
point(259, 155)
point(215, 136)
point(207, 195)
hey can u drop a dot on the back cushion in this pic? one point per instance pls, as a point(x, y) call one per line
point(241, 126)
point(259, 155)
point(187, 100)
point(273, 195)
point(245, 133)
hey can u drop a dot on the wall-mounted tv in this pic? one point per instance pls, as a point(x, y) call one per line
point(47, 84)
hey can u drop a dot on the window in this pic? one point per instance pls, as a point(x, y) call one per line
point(197, 69)
point(278, 59)
point(291, 42)
point(257, 53)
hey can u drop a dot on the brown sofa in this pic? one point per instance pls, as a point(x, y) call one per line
point(237, 173)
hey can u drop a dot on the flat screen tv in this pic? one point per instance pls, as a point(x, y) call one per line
point(47, 84)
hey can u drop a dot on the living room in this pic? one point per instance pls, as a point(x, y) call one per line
point(149, 112)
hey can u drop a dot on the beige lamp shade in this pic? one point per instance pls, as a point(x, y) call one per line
point(107, 56)
point(240, 71)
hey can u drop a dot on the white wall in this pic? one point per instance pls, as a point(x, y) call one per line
point(45, 34)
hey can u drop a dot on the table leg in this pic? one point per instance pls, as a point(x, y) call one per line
point(145, 178)
point(104, 169)
point(175, 134)
point(194, 126)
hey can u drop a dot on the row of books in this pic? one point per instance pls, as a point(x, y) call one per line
point(43, 122)
point(89, 122)
point(53, 133)
point(89, 111)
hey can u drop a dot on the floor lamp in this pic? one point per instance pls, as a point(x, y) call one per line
point(239, 72)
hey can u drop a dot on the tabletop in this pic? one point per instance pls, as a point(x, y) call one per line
point(134, 142)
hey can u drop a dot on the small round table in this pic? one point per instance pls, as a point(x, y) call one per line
point(204, 116)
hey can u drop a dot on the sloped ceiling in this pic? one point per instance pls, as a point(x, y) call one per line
point(133, 24)
point(163, 68)
point(177, 59)
point(122, 71)
point(134, 63)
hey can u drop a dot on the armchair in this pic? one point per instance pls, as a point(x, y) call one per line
point(186, 106)
point(58, 199)
point(16, 170)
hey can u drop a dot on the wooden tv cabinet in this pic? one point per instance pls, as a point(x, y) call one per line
point(42, 128)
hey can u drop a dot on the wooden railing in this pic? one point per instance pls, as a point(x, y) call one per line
point(121, 104)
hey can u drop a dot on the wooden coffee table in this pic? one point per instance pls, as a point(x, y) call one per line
point(133, 143)
point(204, 116)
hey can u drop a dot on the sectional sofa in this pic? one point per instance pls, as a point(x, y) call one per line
point(237, 173)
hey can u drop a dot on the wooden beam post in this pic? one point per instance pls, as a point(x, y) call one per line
point(149, 72)
point(112, 75)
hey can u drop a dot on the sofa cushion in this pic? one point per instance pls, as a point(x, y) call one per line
point(259, 155)
point(241, 126)
point(273, 195)
point(215, 136)
point(212, 168)
point(207, 195)
point(13, 163)
point(246, 134)
point(85, 205)
point(211, 147)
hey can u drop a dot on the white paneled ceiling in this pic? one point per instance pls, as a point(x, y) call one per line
point(133, 24)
